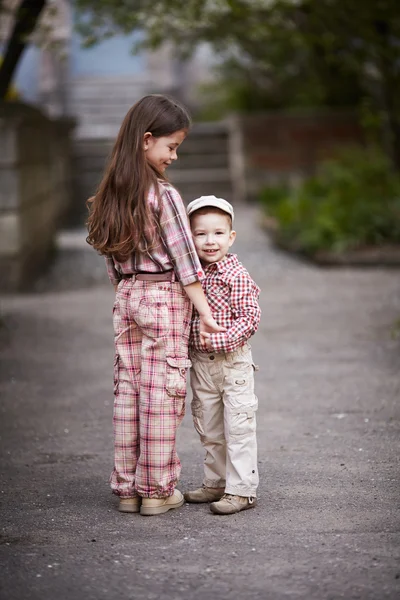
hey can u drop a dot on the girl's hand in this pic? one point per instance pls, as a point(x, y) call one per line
point(206, 341)
point(208, 325)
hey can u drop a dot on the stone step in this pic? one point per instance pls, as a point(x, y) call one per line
point(99, 98)
point(194, 144)
point(96, 162)
point(200, 161)
point(179, 176)
point(99, 139)
point(108, 87)
point(204, 145)
point(94, 131)
point(190, 191)
point(93, 112)
point(102, 101)
point(88, 183)
point(195, 177)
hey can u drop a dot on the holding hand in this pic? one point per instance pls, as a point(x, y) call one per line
point(208, 325)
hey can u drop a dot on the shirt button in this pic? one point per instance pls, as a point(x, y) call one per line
point(211, 356)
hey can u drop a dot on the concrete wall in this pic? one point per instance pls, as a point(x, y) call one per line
point(34, 191)
point(271, 148)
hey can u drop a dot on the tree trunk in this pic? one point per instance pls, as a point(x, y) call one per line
point(27, 17)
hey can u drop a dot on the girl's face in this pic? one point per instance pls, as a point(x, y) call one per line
point(161, 151)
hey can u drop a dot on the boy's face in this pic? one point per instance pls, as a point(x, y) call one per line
point(212, 235)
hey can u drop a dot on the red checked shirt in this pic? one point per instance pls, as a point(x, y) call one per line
point(174, 249)
point(233, 298)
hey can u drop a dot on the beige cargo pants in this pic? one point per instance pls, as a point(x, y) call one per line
point(224, 413)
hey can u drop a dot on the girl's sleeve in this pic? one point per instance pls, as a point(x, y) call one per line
point(177, 237)
point(113, 274)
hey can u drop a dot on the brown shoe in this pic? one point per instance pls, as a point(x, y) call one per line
point(158, 506)
point(204, 494)
point(229, 504)
point(129, 505)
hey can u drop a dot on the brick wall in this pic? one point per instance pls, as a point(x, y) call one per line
point(34, 191)
point(275, 147)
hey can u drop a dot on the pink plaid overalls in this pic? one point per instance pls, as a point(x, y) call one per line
point(151, 317)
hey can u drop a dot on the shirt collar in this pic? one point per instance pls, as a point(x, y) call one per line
point(223, 265)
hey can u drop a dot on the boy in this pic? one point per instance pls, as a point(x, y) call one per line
point(222, 381)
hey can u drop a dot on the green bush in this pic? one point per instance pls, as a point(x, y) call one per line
point(351, 202)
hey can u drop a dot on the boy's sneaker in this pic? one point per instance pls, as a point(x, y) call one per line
point(157, 506)
point(204, 494)
point(229, 504)
point(129, 505)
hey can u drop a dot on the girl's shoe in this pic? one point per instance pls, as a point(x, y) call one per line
point(204, 494)
point(230, 504)
point(157, 506)
point(129, 505)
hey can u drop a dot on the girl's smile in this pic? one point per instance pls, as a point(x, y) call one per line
point(162, 151)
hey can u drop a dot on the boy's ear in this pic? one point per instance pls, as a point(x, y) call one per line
point(146, 139)
point(232, 237)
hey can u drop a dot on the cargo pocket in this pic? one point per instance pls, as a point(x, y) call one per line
point(242, 422)
point(176, 383)
point(240, 402)
point(239, 388)
point(197, 414)
point(176, 375)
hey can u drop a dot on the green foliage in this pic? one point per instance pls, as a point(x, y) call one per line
point(272, 196)
point(351, 202)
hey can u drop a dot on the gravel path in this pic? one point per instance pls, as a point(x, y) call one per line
point(327, 523)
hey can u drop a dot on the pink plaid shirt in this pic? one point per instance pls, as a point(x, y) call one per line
point(174, 249)
point(233, 298)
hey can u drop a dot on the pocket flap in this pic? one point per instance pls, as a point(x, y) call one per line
point(179, 362)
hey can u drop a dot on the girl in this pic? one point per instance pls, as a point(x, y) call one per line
point(138, 221)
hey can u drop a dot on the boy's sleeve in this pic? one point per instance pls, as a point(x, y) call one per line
point(246, 312)
point(177, 238)
point(113, 274)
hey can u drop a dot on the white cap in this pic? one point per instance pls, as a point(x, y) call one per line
point(204, 201)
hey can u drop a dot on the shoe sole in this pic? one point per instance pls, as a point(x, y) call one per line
point(148, 511)
point(191, 501)
point(128, 509)
point(218, 512)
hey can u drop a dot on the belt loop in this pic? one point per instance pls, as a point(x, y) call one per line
point(173, 276)
point(133, 278)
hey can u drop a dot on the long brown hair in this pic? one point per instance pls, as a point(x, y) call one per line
point(120, 218)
